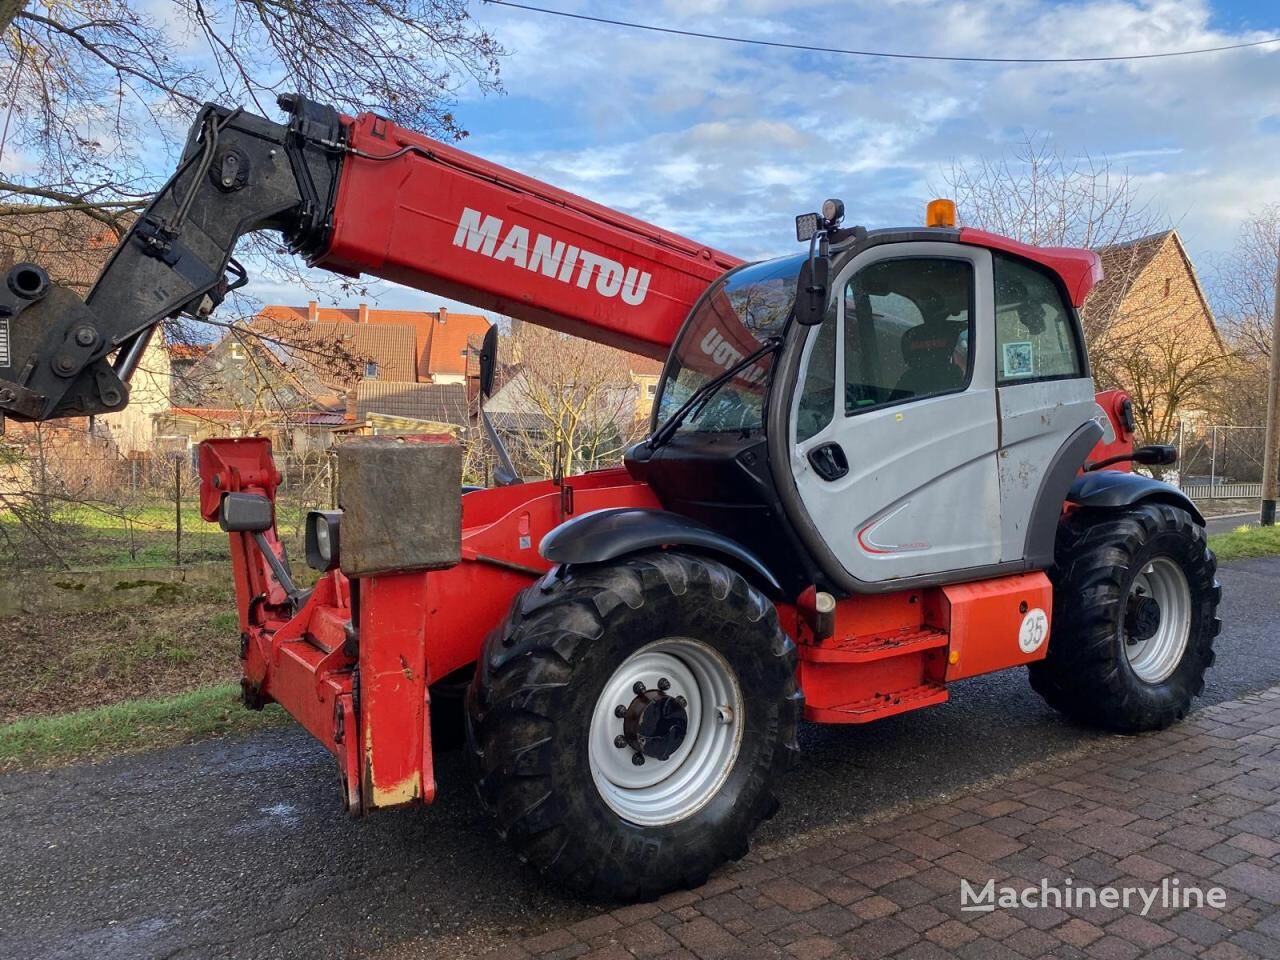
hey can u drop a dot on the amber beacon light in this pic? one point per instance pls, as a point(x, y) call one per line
point(940, 213)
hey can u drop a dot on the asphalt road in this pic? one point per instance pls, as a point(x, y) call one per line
point(238, 849)
point(1229, 523)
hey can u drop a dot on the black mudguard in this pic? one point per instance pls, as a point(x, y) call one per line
point(604, 535)
point(1113, 488)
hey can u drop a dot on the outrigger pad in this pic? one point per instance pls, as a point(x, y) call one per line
point(401, 501)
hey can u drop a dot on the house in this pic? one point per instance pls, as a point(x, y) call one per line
point(299, 432)
point(1152, 333)
point(300, 380)
point(441, 338)
point(433, 402)
point(73, 247)
point(645, 373)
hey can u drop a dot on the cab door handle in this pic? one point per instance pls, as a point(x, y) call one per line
point(828, 461)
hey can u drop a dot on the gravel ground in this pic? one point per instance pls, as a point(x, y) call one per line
point(238, 848)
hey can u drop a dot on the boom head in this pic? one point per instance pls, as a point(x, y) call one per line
point(239, 172)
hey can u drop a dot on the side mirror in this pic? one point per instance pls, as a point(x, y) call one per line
point(1156, 455)
point(488, 360)
point(811, 290)
point(244, 513)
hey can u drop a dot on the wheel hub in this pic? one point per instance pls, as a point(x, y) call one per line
point(1157, 620)
point(1142, 618)
point(655, 724)
point(665, 731)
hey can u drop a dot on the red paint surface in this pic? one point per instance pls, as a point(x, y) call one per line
point(1080, 270)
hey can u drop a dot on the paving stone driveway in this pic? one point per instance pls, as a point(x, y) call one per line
point(1199, 802)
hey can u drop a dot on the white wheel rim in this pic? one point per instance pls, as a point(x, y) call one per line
point(666, 791)
point(1156, 658)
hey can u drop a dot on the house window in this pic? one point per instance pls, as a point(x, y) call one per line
point(651, 390)
point(236, 352)
point(1168, 286)
point(371, 370)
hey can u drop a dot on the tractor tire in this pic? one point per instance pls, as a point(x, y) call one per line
point(1135, 602)
point(666, 657)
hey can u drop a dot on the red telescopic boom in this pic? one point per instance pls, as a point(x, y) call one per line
point(434, 217)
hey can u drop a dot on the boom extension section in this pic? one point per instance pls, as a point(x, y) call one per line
point(353, 196)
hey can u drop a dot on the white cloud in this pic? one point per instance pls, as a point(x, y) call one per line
point(728, 142)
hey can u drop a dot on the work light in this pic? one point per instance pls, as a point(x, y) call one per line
point(322, 539)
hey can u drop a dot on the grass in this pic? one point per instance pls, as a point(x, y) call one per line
point(143, 535)
point(1244, 542)
point(37, 742)
point(162, 640)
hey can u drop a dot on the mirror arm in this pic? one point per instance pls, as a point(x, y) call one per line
point(278, 567)
point(505, 475)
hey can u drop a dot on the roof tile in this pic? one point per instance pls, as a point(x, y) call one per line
point(439, 402)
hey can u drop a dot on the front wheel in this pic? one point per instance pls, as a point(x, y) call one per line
point(1134, 617)
point(628, 722)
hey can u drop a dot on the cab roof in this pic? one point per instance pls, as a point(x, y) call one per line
point(1079, 269)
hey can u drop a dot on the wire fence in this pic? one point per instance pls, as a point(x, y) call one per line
point(71, 510)
point(76, 505)
point(1221, 461)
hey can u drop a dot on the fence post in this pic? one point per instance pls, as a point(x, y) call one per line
point(177, 510)
point(1213, 462)
point(1267, 512)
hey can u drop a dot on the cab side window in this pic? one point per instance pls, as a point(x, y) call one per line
point(818, 399)
point(907, 331)
point(1036, 335)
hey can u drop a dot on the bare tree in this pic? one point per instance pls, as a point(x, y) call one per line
point(1136, 331)
point(574, 400)
point(1041, 195)
point(1246, 283)
point(98, 93)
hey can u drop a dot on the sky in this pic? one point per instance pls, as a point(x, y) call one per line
point(726, 142)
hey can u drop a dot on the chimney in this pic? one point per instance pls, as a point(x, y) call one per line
point(444, 316)
point(363, 315)
point(313, 311)
point(350, 416)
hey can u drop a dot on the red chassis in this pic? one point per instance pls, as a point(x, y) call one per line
point(876, 656)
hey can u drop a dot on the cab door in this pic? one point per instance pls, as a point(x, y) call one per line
point(894, 429)
point(1045, 395)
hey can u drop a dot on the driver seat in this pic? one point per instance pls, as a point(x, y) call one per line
point(929, 352)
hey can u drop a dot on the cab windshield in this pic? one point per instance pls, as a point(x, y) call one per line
point(735, 317)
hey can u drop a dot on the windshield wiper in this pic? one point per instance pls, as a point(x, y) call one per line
point(700, 397)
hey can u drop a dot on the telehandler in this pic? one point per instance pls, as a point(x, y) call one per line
point(874, 468)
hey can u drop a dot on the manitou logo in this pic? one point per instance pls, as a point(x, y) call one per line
point(724, 354)
point(553, 258)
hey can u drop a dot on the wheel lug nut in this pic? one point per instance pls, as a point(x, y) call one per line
point(664, 684)
point(619, 711)
point(619, 741)
point(638, 759)
point(682, 701)
point(638, 687)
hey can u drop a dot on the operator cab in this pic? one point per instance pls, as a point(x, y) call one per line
point(896, 407)
point(714, 465)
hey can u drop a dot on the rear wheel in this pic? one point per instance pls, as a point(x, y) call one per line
point(1134, 617)
point(628, 723)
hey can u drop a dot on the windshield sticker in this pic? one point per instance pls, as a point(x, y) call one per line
point(1018, 359)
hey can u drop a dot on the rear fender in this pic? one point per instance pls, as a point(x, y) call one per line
point(1113, 489)
point(604, 535)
